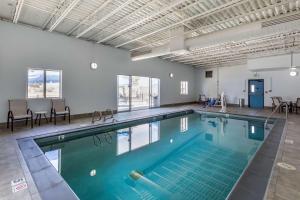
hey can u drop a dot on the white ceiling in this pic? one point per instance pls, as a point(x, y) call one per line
point(140, 25)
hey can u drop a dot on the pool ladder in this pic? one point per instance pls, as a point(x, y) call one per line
point(275, 110)
point(99, 114)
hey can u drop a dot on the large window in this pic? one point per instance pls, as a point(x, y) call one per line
point(44, 83)
point(184, 88)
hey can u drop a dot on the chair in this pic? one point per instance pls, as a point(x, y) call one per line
point(275, 103)
point(58, 108)
point(18, 110)
point(297, 105)
point(282, 103)
point(203, 100)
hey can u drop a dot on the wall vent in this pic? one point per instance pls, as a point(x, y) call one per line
point(208, 74)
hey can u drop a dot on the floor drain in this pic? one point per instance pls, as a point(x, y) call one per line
point(286, 166)
point(287, 141)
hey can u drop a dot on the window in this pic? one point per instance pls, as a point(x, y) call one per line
point(44, 83)
point(208, 74)
point(184, 87)
point(252, 88)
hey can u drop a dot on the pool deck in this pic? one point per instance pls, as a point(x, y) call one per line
point(284, 183)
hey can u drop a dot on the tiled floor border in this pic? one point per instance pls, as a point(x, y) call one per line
point(252, 184)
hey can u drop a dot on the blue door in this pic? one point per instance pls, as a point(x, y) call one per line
point(256, 93)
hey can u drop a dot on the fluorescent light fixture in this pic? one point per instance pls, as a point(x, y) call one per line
point(180, 52)
point(94, 65)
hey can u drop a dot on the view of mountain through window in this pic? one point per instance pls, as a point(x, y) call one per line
point(44, 83)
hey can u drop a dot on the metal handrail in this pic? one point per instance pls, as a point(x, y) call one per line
point(105, 117)
point(286, 113)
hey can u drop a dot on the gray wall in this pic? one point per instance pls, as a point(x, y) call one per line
point(85, 90)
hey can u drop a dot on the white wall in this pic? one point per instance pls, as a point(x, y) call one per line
point(233, 80)
point(85, 90)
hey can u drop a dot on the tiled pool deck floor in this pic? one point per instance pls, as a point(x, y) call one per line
point(284, 184)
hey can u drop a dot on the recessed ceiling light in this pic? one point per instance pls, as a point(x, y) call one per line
point(171, 75)
point(94, 65)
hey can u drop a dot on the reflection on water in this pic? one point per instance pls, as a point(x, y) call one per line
point(54, 157)
point(192, 156)
point(184, 124)
point(132, 138)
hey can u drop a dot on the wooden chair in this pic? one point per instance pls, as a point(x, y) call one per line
point(18, 110)
point(58, 108)
point(297, 105)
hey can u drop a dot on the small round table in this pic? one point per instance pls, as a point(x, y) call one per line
point(39, 116)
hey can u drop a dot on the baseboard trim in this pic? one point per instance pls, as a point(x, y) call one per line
point(178, 104)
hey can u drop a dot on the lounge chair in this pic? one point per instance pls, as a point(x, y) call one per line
point(18, 110)
point(59, 108)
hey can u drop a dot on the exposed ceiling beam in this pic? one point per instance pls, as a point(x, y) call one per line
point(227, 20)
point(61, 17)
point(143, 20)
point(208, 12)
point(124, 20)
point(126, 3)
point(19, 7)
point(87, 18)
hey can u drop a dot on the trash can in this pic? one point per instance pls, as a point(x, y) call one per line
point(241, 102)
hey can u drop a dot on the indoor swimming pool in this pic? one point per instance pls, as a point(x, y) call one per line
point(190, 156)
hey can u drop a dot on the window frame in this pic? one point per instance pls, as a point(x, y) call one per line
point(45, 84)
point(184, 88)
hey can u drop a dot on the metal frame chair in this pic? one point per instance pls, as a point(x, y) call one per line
point(18, 110)
point(58, 108)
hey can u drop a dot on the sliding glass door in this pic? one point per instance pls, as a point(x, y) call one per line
point(154, 92)
point(123, 93)
point(137, 92)
point(140, 92)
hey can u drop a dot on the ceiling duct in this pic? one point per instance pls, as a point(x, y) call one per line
point(230, 35)
point(175, 46)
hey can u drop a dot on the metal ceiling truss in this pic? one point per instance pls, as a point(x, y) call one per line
point(141, 25)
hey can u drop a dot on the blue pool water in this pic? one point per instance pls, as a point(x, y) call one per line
point(192, 156)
